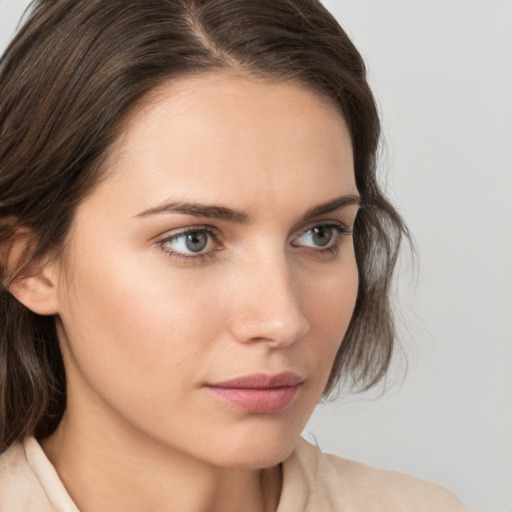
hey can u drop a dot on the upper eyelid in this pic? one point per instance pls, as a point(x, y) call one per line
point(215, 232)
point(175, 233)
point(332, 223)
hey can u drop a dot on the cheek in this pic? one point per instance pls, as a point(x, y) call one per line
point(329, 299)
point(331, 295)
point(126, 325)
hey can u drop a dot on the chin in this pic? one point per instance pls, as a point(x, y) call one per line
point(256, 450)
point(254, 459)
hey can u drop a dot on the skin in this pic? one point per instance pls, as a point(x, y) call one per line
point(143, 330)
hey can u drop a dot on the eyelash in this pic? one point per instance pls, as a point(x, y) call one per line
point(333, 250)
point(340, 232)
point(200, 257)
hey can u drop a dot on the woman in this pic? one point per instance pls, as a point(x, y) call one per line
point(194, 250)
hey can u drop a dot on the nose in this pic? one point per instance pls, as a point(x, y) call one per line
point(267, 305)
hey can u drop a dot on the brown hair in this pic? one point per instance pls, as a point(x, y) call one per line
point(69, 79)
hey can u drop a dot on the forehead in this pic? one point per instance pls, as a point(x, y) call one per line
point(234, 139)
point(218, 88)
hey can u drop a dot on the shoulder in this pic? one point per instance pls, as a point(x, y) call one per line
point(343, 484)
point(20, 489)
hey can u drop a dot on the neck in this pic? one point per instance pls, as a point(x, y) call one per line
point(115, 470)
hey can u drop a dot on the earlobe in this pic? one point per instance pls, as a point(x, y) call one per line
point(37, 292)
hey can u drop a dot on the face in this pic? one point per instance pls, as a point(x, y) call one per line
point(211, 276)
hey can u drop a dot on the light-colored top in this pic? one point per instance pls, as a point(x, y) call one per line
point(312, 482)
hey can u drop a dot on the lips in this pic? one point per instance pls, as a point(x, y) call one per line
point(258, 393)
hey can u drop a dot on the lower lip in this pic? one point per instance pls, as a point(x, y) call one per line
point(259, 401)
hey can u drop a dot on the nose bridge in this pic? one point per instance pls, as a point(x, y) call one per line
point(268, 304)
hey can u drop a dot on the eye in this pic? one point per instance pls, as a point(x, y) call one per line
point(321, 236)
point(190, 243)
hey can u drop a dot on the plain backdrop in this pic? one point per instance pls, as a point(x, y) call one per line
point(442, 74)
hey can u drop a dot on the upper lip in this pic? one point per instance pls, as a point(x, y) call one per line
point(261, 381)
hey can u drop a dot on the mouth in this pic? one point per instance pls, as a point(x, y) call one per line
point(258, 393)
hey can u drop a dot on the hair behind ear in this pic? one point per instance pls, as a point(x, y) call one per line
point(32, 382)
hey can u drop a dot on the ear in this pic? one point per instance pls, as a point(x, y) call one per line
point(35, 286)
point(37, 292)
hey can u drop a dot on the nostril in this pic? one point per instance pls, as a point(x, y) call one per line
point(278, 327)
point(266, 302)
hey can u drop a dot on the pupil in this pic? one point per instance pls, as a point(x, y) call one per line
point(196, 242)
point(322, 236)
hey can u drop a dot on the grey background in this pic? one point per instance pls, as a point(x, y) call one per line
point(442, 73)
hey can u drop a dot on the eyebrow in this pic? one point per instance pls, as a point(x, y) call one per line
point(239, 216)
point(199, 210)
point(331, 206)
